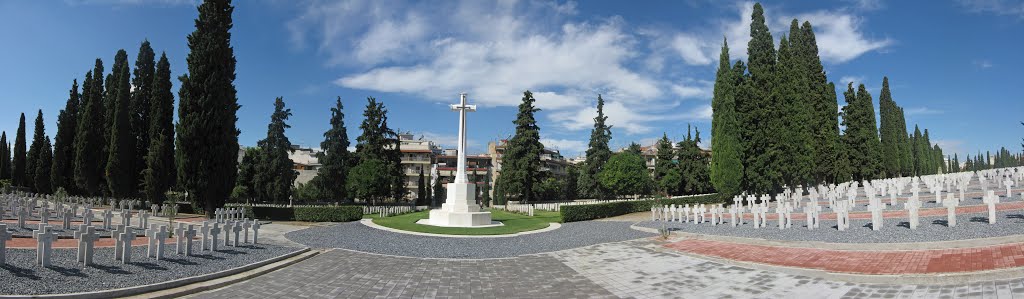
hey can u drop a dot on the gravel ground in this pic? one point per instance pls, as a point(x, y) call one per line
point(356, 236)
point(22, 276)
point(894, 230)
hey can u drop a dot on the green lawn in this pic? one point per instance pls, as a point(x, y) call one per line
point(514, 223)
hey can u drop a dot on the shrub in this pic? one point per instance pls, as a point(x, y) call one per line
point(611, 209)
point(329, 214)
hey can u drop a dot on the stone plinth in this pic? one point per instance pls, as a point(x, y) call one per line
point(460, 209)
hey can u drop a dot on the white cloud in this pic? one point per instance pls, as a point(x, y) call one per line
point(847, 79)
point(134, 2)
point(565, 146)
point(867, 4)
point(838, 35)
point(950, 146)
point(921, 111)
point(998, 7)
point(692, 49)
point(982, 63)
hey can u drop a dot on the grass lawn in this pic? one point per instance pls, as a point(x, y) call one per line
point(514, 223)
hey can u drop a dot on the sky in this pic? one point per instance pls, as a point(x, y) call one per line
point(953, 65)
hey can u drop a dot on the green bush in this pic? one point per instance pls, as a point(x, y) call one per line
point(611, 209)
point(310, 214)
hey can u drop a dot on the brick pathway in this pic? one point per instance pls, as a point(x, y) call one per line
point(864, 262)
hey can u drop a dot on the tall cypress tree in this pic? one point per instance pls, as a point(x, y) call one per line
point(664, 166)
point(761, 124)
point(379, 144)
point(35, 156)
point(889, 131)
point(861, 139)
point(275, 176)
point(930, 165)
point(906, 148)
point(89, 136)
point(159, 174)
point(18, 171)
point(63, 171)
point(207, 138)
point(121, 173)
point(597, 154)
point(5, 157)
point(521, 163)
point(791, 93)
point(332, 176)
point(820, 98)
point(44, 162)
point(139, 107)
point(918, 152)
point(727, 167)
point(421, 190)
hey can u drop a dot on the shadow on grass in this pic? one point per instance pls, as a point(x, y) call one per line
point(68, 271)
point(111, 269)
point(21, 272)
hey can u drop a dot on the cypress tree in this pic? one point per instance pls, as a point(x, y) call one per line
point(861, 139)
point(930, 165)
point(790, 92)
point(421, 190)
point(378, 144)
point(275, 175)
point(906, 147)
point(938, 158)
point(664, 165)
point(889, 131)
point(5, 157)
point(63, 171)
point(207, 138)
point(918, 152)
point(726, 170)
point(334, 160)
point(159, 174)
point(519, 177)
point(34, 159)
point(597, 153)
point(44, 162)
point(122, 176)
point(139, 106)
point(822, 107)
point(761, 124)
point(89, 137)
point(18, 172)
point(111, 102)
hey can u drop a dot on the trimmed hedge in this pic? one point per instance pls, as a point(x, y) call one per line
point(310, 214)
point(611, 209)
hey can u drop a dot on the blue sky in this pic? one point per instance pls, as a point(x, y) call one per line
point(953, 65)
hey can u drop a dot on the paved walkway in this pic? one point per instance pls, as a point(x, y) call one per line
point(631, 269)
point(863, 261)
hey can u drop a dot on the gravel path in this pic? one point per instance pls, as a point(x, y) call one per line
point(356, 236)
point(894, 230)
point(22, 276)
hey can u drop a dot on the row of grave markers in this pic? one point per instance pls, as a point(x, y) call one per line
point(124, 235)
point(790, 201)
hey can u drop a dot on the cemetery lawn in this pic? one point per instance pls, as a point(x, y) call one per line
point(514, 223)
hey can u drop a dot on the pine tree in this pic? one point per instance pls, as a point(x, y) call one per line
point(121, 173)
point(34, 158)
point(159, 174)
point(207, 138)
point(334, 160)
point(597, 154)
point(274, 177)
point(5, 157)
point(726, 169)
point(63, 171)
point(89, 138)
point(44, 162)
point(18, 170)
point(761, 124)
point(519, 177)
point(664, 165)
point(139, 106)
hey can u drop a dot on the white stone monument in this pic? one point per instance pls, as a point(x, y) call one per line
point(460, 209)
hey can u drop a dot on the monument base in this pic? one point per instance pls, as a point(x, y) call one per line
point(460, 210)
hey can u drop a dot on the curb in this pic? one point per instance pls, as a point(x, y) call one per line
point(182, 282)
point(551, 226)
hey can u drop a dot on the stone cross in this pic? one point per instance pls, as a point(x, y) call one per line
point(732, 215)
point(191, 233)
point(236, 228)
point(126, 217)
point(913, 205)
point(116, 235)
point(205, 230)
point(87, 217)
point(672, 211)
point(66, 218)
point(217, 214)
point(44, 244)
point(179, 240)
point(255, 231)
point(155, 208)
point(214, 232)
point(126, 238)
point(151, 240)
point(245, 229)
point(108, 216)
point(23, 214)
point(991, 199)
point(161, 239)
point(780, 211)
point(4, 237)
point(87, 237)
point(44, 215)
point(143, 219)
point(951, 204)
point(1008, 183)
point(654, 213)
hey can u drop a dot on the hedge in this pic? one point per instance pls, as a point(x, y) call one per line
point(310, 214)
point(611, 209)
